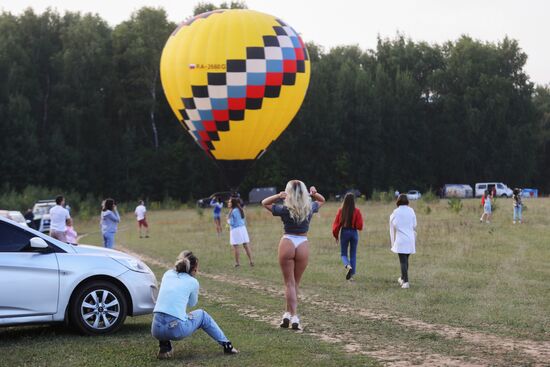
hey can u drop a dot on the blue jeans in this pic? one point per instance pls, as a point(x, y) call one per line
point(109, 239)
point(517, 213)
point(167, 327)
point(349, 238)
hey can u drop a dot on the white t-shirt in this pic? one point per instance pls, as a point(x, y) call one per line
point(403, 230)
point(140, 212)
point(58, 218)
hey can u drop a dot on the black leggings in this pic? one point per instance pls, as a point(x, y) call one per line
point(404, 261)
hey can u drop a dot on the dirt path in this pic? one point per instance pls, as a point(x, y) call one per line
point(390, 355)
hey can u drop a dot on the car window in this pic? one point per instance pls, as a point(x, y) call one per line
point(13, 239)
point(500, 186)
point(482, 186)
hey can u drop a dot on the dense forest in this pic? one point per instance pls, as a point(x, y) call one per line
point(82, 110)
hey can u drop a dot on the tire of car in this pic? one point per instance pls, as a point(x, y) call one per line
point(98, 307)
point(503, 196)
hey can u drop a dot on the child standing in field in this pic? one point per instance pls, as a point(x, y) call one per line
point(70, 233)
point(346, 225)
point(403, 236)
point(140, 213)
point(518, 205)
point(238, 235)
point(487, 208)
point(217, 204)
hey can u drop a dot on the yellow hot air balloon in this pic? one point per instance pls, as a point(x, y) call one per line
point(235, 79)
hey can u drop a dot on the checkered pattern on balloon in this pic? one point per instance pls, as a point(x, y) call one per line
point(243, 85)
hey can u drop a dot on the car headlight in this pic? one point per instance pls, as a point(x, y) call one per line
point(133, 264)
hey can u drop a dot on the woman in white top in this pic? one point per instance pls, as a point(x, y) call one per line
point(403, 236)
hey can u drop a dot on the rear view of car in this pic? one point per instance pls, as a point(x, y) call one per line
point(41, 212)
point(14, 215)
point(414, 195)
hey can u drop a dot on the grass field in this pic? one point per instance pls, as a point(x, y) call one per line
point(480, 295)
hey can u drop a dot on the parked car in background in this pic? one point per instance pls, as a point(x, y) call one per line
point(205, 202)
point(501, 189)
point(14, 215)
point(41, 211)
point(355, 192)
point(257, 194)
point(90, 288)
point(458, 191)
point(414, 195)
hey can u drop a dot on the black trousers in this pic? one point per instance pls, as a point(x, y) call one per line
point(404, 261)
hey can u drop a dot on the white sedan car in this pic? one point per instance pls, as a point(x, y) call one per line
point(414, 195)
point(43, 280)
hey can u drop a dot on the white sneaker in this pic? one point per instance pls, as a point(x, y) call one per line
point(400, 281)
point(405, 285)
point(295, 321)
point(285, 322)
point(514, 222)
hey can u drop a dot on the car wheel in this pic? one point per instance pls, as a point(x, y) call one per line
point(503, 196)
point(98, 307)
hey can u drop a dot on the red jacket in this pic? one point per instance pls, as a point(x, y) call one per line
point(356, 222)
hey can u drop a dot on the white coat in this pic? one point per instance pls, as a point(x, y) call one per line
point(403, 230)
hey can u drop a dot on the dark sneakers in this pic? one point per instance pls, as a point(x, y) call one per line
point(165, 350)
point(228, 348)
point(349, 274)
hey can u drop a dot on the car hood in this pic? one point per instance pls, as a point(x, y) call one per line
point(95, 250)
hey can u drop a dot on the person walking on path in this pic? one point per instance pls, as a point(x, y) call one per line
point(238, 235)
point(179, 289)
point(346, 225)
point(518, 205)
point(140, 213)
point(109, 223)
point(217, 204)
point(403, 236)
point(487, 208)
point(296, 213)
point(58, 219)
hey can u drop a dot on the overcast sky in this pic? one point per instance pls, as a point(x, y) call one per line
point(331, 23)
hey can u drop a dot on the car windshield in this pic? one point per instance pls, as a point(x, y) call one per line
point(18, 217)
point(42, 209)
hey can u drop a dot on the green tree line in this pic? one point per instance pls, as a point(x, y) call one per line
point(82, 110)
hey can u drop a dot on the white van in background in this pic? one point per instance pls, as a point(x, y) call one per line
point(501, 189)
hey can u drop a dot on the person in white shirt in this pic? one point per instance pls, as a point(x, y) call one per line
point(58, 219)
point(403, 236)
point(142, 221)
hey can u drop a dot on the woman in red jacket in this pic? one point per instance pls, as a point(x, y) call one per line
point(346, 224)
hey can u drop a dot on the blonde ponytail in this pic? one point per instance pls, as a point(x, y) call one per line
point(186, 262)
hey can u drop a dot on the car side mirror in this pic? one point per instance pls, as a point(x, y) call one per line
point(38, 243)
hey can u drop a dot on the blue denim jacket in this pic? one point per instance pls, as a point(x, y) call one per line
point(109, 221)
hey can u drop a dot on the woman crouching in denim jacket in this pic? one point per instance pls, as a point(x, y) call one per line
point(179, 289)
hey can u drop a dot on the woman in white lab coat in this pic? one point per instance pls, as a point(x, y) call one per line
point(403, 236)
